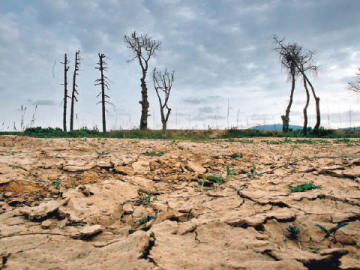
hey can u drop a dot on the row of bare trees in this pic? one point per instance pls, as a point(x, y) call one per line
point(74, 92)
point(298, 62)
point(143, 48)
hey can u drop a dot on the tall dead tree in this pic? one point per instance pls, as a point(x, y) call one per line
point(143, 48)
point(66, 96)
point(74, 89)
point(303, 62)
point(355, 85)
point(288, 57)
point(103, 82)
point(163, 82)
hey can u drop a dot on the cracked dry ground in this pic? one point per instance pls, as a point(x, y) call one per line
point(106, 204)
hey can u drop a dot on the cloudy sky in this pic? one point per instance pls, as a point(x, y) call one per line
point(221, 51)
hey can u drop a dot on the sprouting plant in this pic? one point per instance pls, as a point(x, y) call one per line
point(146, 199)
point(153, 153)
point(293, 232)
point(253, 173)
point(101, 154)
point(57, 184)
point(145, 219)
point(15, 167)
point(229, 173)
point(235, 155)
point(331, 232)
point(303, 187)
point(73, 183)
point(217, 179)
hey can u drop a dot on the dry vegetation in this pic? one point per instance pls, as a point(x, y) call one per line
point(100, 203)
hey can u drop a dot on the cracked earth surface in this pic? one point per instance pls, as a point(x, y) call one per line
point(109, 204)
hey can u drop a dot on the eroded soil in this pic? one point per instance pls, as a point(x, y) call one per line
point(109, 204)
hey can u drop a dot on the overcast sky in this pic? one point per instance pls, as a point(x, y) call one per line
point(221, 51)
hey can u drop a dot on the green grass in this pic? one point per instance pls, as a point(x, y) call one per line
point(153, 153)
point(303, 187)
point(196, 135)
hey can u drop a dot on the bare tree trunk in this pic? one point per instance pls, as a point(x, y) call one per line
point(286, 118)
point(306, 107)
point(66, 68)
point(102, 91)
point(317, 103)
point(144, 103)
point(74, 90)
point(103, 82)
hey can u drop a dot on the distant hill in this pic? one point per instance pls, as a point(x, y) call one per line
point(353, 128)
point(276, 127)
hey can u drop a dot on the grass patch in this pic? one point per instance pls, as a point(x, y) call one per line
point(153, 153)
point(304, 187)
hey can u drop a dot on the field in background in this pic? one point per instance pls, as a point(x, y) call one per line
point(182, 134)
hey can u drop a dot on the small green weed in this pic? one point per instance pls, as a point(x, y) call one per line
point(235, 155)
point(57, 185)
point(303, 187)
point(293, 232)
point(146, 199)
point(146, 219)
point(328, 233)
point(253, 173)
point(153, 153)
point(15, 167)
point(331, 232)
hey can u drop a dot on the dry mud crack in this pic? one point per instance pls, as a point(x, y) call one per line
point(119, 204)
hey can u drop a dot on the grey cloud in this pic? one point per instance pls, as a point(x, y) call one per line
point(42, 102)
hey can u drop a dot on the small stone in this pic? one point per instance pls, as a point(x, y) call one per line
point(127, 208)
point(46, 224)
point(90, 231)
point(124, 170)
point(195, 167)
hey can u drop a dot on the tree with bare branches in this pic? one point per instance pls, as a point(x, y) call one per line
point(74, 89)
point(103, 82)
point(163, 82)
point(289, 54)
point(66, 96)
point(355, 85)
point(302, 61)
point(143, 48)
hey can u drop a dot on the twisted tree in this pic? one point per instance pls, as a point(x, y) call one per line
point(66, 96)
point(295, 57)
point(103, 82)
point(289, 54)
point(163, 82)
point(74, 89)
point(143, 48)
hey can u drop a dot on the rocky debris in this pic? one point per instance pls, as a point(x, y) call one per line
point(90, 231)
point(195, 167)
point(124, 170)
point(42, 211)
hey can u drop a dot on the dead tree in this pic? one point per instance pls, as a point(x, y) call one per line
point(163, 81)
point(288, 57)
point(103, 82)
point(306, 107)
point(66, 96)
point(302, 59)
point(355, 85)
point(74, 89)
point(143, 47)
